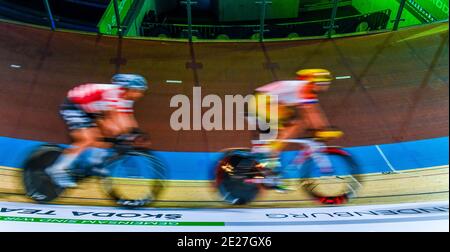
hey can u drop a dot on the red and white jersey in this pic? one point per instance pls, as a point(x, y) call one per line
point(97, 98)
point(291, 92)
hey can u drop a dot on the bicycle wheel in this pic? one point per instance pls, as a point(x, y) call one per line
point(135, 179)
point(334, 187)
point(38, 185)
point(231, 174)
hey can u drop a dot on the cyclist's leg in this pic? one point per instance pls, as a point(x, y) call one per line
point(108, 128)
point(116, 123)
point(84, 134)
point(314, 117)
point(291, 129)
point(89, 138)
point(318, 122)
point(288, 128)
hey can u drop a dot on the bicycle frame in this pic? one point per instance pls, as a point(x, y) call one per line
point(99, 169)
point(234, 175)
point(313, 149)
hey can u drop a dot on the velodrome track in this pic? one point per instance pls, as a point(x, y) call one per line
point(397, 93)
point(421, 185)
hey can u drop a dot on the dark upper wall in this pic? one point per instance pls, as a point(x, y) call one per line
point(398, 90)
point(74, 15)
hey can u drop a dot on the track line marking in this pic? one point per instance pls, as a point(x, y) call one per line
point(174, 81)
point(385, 159)
point(343, 77)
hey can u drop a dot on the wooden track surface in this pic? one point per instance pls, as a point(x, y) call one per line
point(429, 184)
point(398, 90)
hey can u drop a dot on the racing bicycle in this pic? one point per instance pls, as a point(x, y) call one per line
point(130, 174)
point(327, 173)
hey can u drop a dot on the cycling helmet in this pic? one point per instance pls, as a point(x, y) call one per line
point(130, 81)
point(317, 76)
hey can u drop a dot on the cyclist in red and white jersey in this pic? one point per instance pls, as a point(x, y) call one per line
point(93, 111)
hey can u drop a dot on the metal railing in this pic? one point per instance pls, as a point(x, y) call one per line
point(375, 21)
point(350, 24)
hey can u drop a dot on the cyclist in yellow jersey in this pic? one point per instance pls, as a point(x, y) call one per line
point(298, 109)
